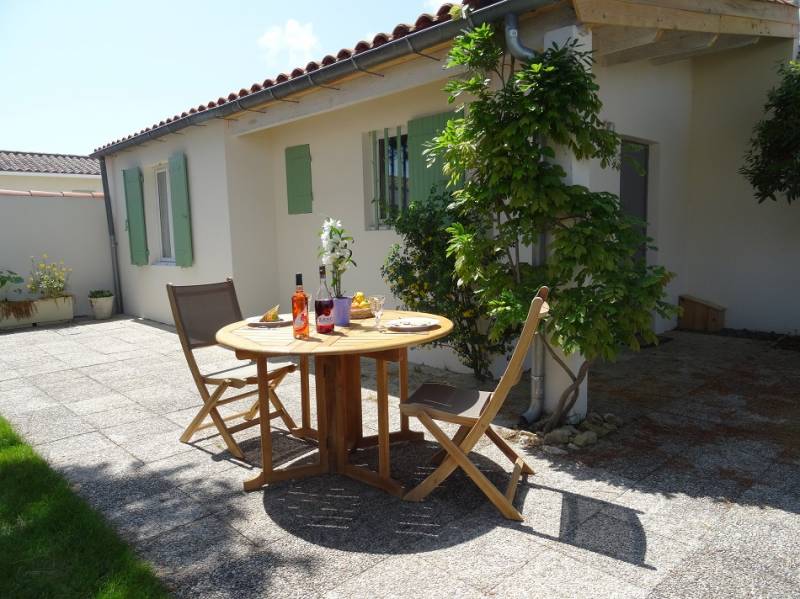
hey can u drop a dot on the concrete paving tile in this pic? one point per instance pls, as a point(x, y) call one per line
point(623, 549)
point(164, 398)
point(674, 515)
point(194, 468)
point(101, 403)
point(125, 433)
point(118, 483)
point(87, 444)
point(555, 575)
point(185, 553)
point(111, 414)
point(145, 518)
point(481, 560)
point(408, 576)
point(154, 447)
point(782, 476)
point(24, 399)
point(708, 574)
point(48, 424)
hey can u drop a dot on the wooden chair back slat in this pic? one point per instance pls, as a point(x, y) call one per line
point(513, 371)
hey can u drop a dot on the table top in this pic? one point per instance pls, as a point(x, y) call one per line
point(360, 337)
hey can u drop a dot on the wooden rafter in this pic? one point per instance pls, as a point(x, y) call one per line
point(733, 17)
point(722, 43)
point(669, 43)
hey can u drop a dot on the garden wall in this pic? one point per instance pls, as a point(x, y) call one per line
point(65, 226)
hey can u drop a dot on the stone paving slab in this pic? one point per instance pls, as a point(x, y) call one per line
point(697, 495)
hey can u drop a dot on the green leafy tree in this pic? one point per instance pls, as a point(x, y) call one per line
point(772, 164)
point(603, 294)
point(422, 275)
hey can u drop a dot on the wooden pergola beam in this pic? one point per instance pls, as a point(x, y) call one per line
point(733, 17)
point(722, 43)
point(610, 40)
point(670, 43)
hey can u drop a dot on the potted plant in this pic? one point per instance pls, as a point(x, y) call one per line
point(49, 280)
point(13, 312)
point(337, 256)
point(102, 302)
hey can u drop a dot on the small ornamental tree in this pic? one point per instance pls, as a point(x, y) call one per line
point(508, 191)
point(772, 164)
point(422, 275)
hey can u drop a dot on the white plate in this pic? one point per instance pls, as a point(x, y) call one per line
point(255, 321)
point(410, 324)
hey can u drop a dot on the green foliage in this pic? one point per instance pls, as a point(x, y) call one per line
point(772, 164)
point(95, 293)
point(421, 274)
point(9, 277)
point(52, 544)
point(602, 293)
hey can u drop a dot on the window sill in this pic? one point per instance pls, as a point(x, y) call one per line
point(379, 228)
point(163, 262)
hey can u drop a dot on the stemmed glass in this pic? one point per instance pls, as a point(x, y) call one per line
point(376, 305)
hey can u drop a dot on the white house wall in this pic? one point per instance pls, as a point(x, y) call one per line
point(741, 254)
point(653, 104)
point(338, 183)
point(143, 287)
point(65, 228)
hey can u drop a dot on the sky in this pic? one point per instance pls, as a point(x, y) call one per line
point(76, 74)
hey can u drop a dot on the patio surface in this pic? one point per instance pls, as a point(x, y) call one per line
point(697, 495)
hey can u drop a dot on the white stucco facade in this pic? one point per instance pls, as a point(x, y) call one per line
point(694, 114)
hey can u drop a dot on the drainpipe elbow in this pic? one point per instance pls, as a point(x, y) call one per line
point(518, 51)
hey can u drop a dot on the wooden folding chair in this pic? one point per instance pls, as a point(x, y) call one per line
point(474, 412)
point(199, 312)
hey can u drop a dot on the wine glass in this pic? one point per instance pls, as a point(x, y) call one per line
point(376, 305)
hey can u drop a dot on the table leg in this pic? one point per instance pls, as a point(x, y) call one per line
point(382, 378)
point(268, 473)
point(403, 376)
point(304, 394)
point(352, 394)
point(264, 425)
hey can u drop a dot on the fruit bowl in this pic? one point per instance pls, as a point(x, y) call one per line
point(360, 313)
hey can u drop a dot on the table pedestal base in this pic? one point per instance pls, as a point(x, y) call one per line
point(339, 425)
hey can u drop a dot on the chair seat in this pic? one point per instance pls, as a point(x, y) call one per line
point(246, 373)
point(444, 402)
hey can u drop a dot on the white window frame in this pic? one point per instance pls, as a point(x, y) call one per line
point(166, 260)
point(373, 222)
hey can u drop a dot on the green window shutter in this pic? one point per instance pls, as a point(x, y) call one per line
point(422, 178)
point(181, 214)
point(298, 179)
point(134, 207)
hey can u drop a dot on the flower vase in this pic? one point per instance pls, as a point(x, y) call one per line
point(341, 311)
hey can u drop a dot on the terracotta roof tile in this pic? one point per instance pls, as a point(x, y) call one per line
point(37, 162)
point(401, 30)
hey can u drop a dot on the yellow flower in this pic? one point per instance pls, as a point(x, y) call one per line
point(41, 264)
point(44, 256)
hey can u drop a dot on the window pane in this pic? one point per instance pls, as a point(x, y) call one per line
point(163, 209)
point(391, 189)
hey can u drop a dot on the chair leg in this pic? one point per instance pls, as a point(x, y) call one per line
point(509, 451)
point(457, 457)
point(287, 420)
point(457, 439)
point(208, 404)
point(230, 442)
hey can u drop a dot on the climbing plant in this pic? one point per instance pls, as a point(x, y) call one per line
point(422, 275)
point(508, 190)
point(772, 163)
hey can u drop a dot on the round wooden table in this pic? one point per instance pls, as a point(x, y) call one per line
point(337, 360)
